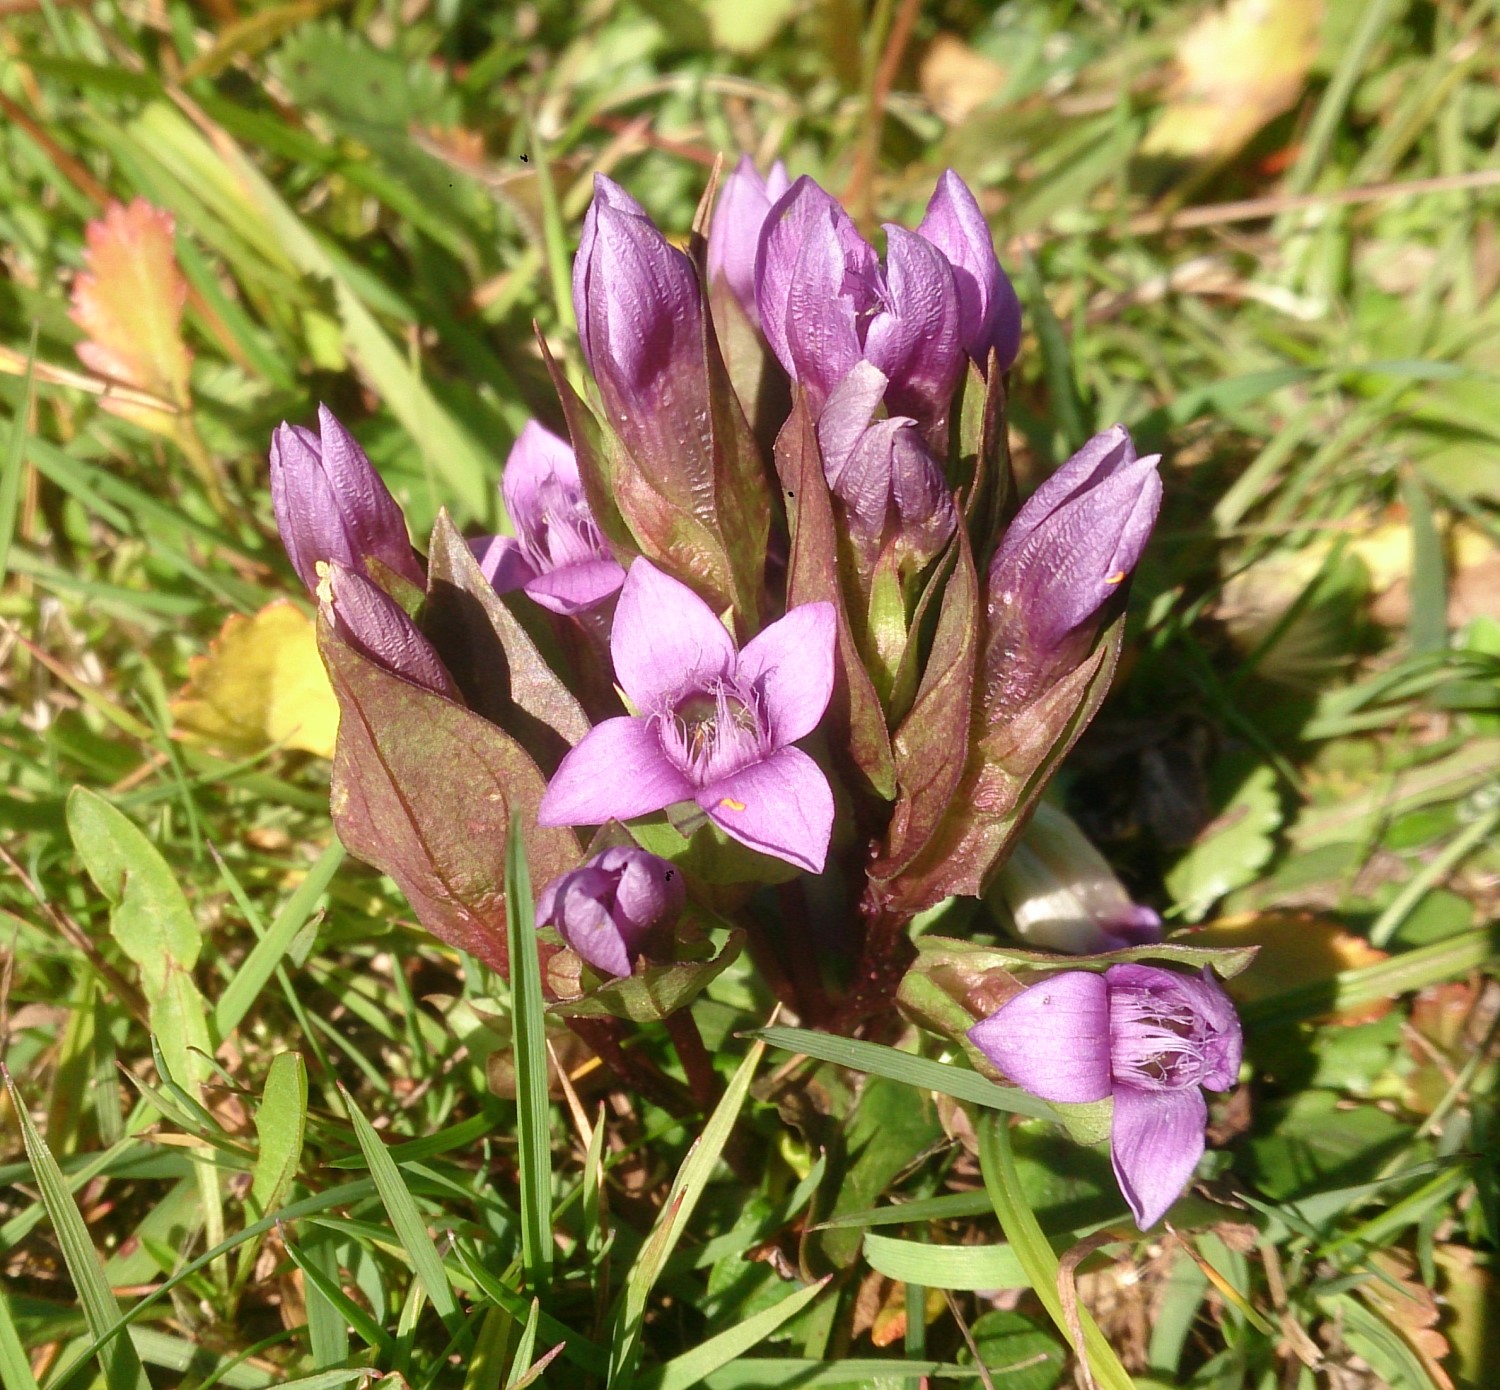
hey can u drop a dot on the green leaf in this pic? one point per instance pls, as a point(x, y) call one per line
point(279, 1124)
point(13, 465)
point(1018, 1353)
point(151, 920)
point(117, 1355)
point(945, 1266)
point(529, 1038)
point(1225, 961)
point(258, 967)
point(656, 992)
point(682, 1200)
point(1230, 852)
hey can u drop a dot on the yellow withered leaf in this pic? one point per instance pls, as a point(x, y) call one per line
point(1237, 68)
point(260, 683)
point(129, 304)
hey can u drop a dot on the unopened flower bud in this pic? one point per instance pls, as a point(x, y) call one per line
point(1061, 894)
point(609, 908)
point(331, 505)
point(1065, 557)
point(988, 310)
point(734, 234)
point(374, 624)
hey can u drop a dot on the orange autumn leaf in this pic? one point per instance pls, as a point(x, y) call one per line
point(1296, 948)
point(129, 304)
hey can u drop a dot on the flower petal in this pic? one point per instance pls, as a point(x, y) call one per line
point(536, 456)
point(372, 622)
point(792, 664)
point(1053, 1037)
point(665, 639)
point(1156, 1140)
point(503, 562)
point(915, 340)
point(573, 588)
point(782, 806)
point(583, 920)
point(617, 771)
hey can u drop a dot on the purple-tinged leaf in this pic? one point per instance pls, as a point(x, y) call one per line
point(492, 657)
point(425, 790)
point(857, 727)
point(931, 745)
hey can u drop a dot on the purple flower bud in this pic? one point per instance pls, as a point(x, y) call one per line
point(331, 505)
point(734, 234)
point(373, 623)
point(826, 303)
point(1062, 560)
point(892, 488)
point(640, 324)
point(558, 556)
point(989, 312)
point(608, 909)
point(1148, 1037)
point(1062, 896)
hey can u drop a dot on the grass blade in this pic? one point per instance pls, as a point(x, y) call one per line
point(687, 1188)
point(261, 963)
point(533, 1108)
point(689, 1369)
point(926, 1075)
point(1035, 1253)
point(14, 465)
point(406, 1220)
point(117, 1355)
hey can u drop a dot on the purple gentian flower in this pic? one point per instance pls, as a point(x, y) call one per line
point(826, 303)
point(734, 233)
point(1146, 1036)
point(330, 503)
point(1066, 554)
point(608, 909)
point(714, 725)
point(891, 486)
point(558, 557)
point(374, 624)
point(989, 313)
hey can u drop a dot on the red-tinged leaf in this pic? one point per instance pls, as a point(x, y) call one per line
point(424, 790)
point(129, 304)
point(741, 501)
point(496, 665)
point(856, 721)
point(635, 515)
point(1008, 768)
point(931, 745)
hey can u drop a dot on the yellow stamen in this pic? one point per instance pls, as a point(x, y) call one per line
point(732, 805)
point(1117, 578)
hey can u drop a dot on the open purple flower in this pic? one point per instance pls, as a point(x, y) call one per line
point(989, 313)
point(734, 234)
point(1151, 1038)
point(330, 503)
point(609, 908)
point(1063, 558)
point(715, 725)
point(826, 303)
point(558, 557)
